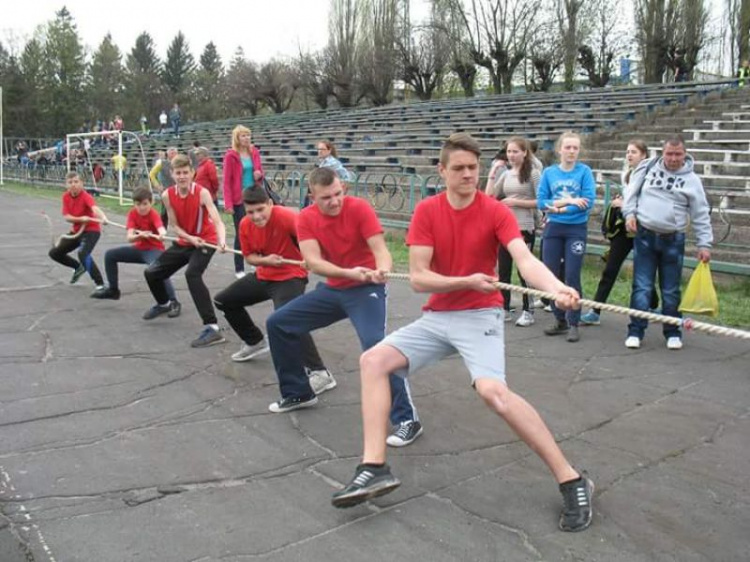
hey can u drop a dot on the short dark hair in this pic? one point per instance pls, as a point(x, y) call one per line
point(141, 194)
point(674, 140)
point(254, 195)
point(456, 142)
point(322, 176)
point(71, 175)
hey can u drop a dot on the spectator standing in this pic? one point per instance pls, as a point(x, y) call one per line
point(620, 241)
point(743, 72)
point(162, 121)
point(243, 169)
point(205, 173)
point(328, 158)
point(174, 118)
point(662, 198)
point(144, 121)
point(566, 192)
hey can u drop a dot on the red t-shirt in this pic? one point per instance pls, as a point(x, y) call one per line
point(464, 242)
point(150, 222)
point(81, 205)
point(278, 237)
point(191, 215)
point(343, 238)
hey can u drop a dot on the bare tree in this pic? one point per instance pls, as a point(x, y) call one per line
point(498, 33)
point(545, 56)
point(342, 50)
point(689, 38)
point(655, 29)
point(377, 54)
point(596, 55)
point(568, 18)
point(243, 85)
point(315, 78)
point(278, 82)
point(446, 20)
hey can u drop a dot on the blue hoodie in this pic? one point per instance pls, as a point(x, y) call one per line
point(558, 184)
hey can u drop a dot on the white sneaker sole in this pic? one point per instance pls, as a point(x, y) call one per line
point(309, 404)
point(394, 441)
point(242, 358)
point(330, 385)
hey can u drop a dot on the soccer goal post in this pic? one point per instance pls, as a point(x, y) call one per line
point(81, 140)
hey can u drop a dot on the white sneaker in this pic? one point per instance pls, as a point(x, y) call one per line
point(321, 380)
point(674, 343)
point(526, 319)
point(247, 352)
point(239, 274)
point(633, 342)
point(538, 303)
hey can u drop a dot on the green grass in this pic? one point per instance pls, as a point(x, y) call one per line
point(733, 291)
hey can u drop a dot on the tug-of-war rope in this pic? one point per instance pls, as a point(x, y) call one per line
point(686, 323)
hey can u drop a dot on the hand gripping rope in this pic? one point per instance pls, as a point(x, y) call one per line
point(686, 323)
point(204, 244)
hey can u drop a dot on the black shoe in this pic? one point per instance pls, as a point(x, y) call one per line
point(293, 403)
point(573, 335)
point(174, 309)
point(156, 310)
point(368, 482)
point(106, 293)
point(558, 328)
point(577, 504)
point(405, 434)
point(77, 274)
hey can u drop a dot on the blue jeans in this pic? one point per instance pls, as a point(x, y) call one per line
point(237, 215)
point(568, 242)
point(654, 252)
point(129, 254)
point(364, 305)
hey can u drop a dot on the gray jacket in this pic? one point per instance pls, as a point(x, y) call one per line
point(667, 201)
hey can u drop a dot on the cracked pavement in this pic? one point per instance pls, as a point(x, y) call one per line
point(118, 442)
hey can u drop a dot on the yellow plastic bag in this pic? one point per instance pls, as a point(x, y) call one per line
point(700, 295)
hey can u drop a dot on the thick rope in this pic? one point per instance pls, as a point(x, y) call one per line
point(687, 323)
point(69, 236)
point(204, 245)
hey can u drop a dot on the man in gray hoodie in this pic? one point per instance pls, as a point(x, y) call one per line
point(664, 196)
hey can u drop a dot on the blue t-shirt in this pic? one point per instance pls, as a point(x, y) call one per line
point(558, 184)
point(247, 172)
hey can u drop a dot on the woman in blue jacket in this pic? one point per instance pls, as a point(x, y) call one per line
point(566, 192)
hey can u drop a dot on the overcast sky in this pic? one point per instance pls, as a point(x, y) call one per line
point(263, 28)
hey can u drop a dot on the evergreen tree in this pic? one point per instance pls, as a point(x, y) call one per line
point(209, 94)
point(107, 82)
point(14, 93)
point(243, 86)
point(64, 75)
point(145, 93)
point(31, 120)
point(179, 66)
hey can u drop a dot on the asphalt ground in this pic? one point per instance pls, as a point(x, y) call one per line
point(119, 442)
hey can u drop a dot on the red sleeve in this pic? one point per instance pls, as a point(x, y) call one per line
point(88, 199)
point(288, 221)
point(66, 204)
point(506, 225)
point(130, 223)
point(369, 224)
point(246, 242)
point(420, 233)
point(213, 176)
point(305, 226)
point(228, 181)
point(156, 220)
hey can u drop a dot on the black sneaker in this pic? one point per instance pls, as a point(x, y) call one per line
point(156, 310)
point(577, 504)
point(77, 274)
point(174, 309)
point(208, 336)
point(405, 434)
point(106, 293)
point(368, 482)
point(558, 328)
point(293, 403)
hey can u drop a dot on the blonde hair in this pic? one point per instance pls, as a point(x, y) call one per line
point(567, 135)
point(236, 132)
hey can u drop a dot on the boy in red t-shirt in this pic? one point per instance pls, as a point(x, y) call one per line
point(340, 238)
point(195, 220)
point(145, 232)
point(268, 235)
point(79, 208)
point(453, 241)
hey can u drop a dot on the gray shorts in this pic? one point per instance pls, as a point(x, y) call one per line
point(477, 335)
